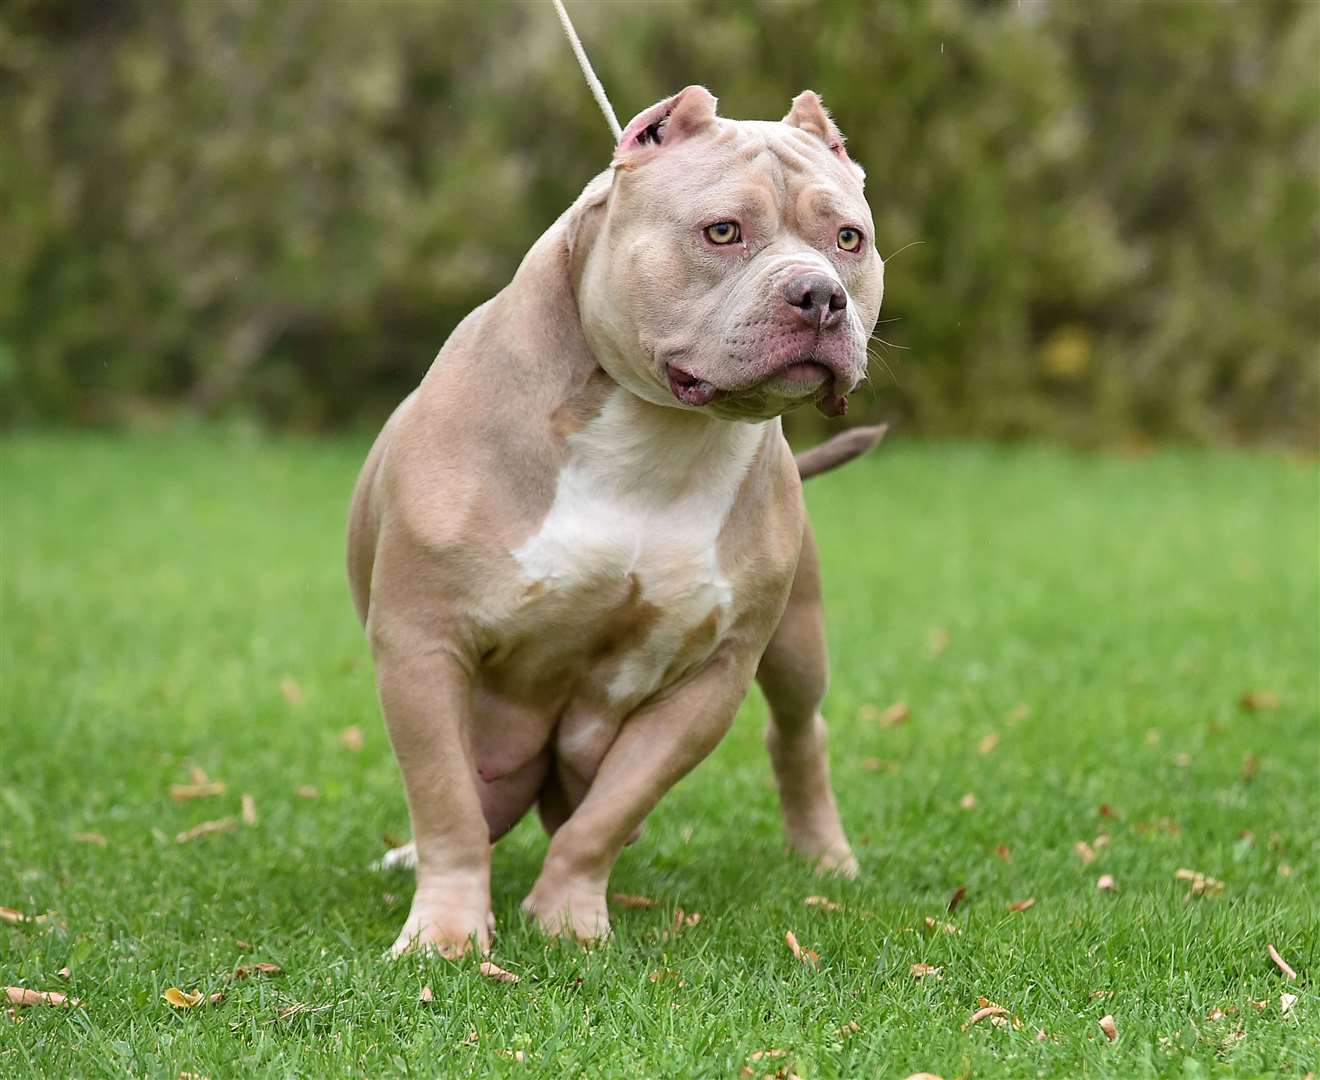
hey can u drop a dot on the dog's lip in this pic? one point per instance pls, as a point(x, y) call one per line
point(689, 388)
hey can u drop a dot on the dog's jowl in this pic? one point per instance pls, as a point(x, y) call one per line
point(577, 543)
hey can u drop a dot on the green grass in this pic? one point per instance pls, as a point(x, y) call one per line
point(158, 591)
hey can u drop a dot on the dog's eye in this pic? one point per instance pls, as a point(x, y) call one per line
point(849, 239)
point(723, 232)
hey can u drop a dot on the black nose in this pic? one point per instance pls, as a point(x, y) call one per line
point(818, 298)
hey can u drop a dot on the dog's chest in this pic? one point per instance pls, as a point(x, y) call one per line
point(622, 585)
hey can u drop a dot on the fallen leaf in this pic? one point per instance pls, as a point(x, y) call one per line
point(1022, 905)
point(924, 1076)
point(1259, 1006)
point(956, 898)
point(1084, 852)
point(426, 996)
point(64, 972)
point(1285, 870)
point(805, 956)
point(968, 801)
point(1257, 700)
point(666, 973)
point(261, 967)
point(198, 775)
point(492, 971)
point(1041, 1036)
point(22, 997)
point(1105, 883)
point(91, 838)
point(1281, 963)
point(517, 1055)
point(988, 742)
point(184, 792)
point(982, 1013)
point(822, 902)
point(931, 926)
point(1250, 764)
point(852, 1027)
point(1108, 1026)
point(1101, 841)
point(1182, 760)
point(351, 739)
point(12, 916)
point(215, 999)
point(1018, 712)
point(291, 690)
point(937, 641)
point(244, 946)
point(206, 828)
point(920, 971)
point(1105, 810)
point(306, 791)
point(631, 900)
point(183, 999)
point(896, 715)
point(1002, 851)
point(1200, 884)
point(1286, 1002)
point(1099, 994)
point(249, 809)
point(759, 1055)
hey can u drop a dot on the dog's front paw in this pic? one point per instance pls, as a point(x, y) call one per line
point(450, 934)
point(839, 862)
point(569, 910)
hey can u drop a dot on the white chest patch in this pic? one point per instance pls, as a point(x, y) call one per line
point(645, 492)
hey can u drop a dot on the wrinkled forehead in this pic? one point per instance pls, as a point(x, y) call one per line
point(755, 167)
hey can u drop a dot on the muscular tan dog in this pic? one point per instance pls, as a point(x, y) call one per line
point(579, 540)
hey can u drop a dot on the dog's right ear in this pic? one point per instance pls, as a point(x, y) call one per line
point(687, 113)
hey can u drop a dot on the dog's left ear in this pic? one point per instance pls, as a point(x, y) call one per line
point(809, 114)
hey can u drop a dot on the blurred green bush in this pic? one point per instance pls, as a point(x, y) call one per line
point(1106, 215)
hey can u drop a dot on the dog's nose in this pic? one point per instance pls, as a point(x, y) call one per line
point(818, 298)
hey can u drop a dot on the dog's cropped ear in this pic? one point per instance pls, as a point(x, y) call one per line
point(687, 113)
point(809, 114)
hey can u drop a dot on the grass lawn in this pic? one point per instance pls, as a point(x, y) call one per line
point(1072, 636)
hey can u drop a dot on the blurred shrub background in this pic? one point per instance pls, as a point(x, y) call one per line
point(1107, 215)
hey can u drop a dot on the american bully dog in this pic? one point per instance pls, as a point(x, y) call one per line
point(581, 538)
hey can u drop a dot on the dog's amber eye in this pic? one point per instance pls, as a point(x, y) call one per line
point(723, 232)
point(849, 239)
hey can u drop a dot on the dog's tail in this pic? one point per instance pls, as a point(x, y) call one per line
point(839, 450)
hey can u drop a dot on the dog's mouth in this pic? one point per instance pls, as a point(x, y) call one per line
point(803, 379)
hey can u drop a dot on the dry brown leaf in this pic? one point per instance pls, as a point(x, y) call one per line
point(291, 690)
point(206, 828)
point(1257, 700)
point(1285, 870)
point(1002, 851)
point(22, 997)
point(956, 898)
point(982, 1013)
point(804, 956)
point(1250, 764)
point(823, 902)
point(498, 974)
point(1096, 995)
point(1101, 841)
point(1041, 1035)
point(198, 775)
point(215, 999)
point(1286, 1002)
point(183, 999)
point(666, 973)
point(968, 801)
point(261, 967)
point(1084, 852)
point(351, 739)
point(632, 900)
point(1105, 810)
point(1259, 1006)
point(248, 809)
point(759, 1055)
point(988, 742)
point(91, 838)
point(1200, 884)
point(852, 1027)
point(12, 916)
point(64, 972)
point(1281, 963)
point(306, 791)
point(921, 971)
point(1022, 905)
point(426, 996)
point(924, 1076)
point(244, 946)
point(184, 792)
point(896, 715)
point(1105, 883)
point(1018, 712)
point(1108, 1026)
point(931, 926)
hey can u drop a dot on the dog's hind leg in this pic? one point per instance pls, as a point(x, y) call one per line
point(794, 673)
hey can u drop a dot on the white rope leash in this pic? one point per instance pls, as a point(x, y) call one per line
point(597, 91)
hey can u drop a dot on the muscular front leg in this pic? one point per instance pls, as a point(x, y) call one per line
point(655, 748)
point(426, 698)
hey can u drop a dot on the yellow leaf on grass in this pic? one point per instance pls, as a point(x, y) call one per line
point(183, 999)
point(206, 828)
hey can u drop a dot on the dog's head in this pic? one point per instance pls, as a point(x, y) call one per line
point(734, 269)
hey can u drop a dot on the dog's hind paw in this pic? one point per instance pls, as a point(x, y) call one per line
point(399, 858)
